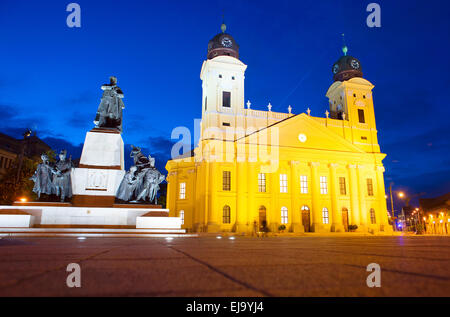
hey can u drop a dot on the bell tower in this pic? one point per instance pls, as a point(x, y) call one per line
point(350, 99)
point(222, 76)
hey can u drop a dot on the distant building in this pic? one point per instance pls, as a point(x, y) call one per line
point(263, 169)
point(436, 214)
point(11, 148)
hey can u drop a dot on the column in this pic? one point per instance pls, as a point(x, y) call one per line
point(252, 209)
point(382, 209)
point(362, 186)
point(353, 186)
point(336, 221)
point(316, 211)
point(295, 212)
point(198, 204)
point(241, 197)
point(213, 210)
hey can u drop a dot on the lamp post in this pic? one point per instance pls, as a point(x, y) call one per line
point(26, 134)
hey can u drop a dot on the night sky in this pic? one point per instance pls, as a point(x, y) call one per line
point(50, 74)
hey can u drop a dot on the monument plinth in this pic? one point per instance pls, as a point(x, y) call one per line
point(101, 169)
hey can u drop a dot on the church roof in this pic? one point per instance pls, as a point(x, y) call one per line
point(223, 44)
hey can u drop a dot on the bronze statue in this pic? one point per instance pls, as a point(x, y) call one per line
point(141, 183)
point(62, 180)
point(109, 113)
point(43, 178)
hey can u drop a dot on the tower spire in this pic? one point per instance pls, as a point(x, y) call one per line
point(344, 47)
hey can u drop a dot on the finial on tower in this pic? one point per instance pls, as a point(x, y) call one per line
point(223, 27)
point(344, 47)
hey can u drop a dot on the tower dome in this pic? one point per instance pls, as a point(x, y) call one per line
point(223, 44)
point(346, 67)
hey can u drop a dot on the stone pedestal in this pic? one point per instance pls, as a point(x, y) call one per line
point(101, 169)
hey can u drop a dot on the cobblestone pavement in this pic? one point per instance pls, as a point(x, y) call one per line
point(243, 266)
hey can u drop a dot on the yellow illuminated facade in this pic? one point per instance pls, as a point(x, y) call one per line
point(254, 169)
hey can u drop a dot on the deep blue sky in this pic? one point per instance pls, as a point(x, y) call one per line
point(50, 75)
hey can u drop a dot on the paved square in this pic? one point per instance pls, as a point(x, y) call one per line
point(207, 266)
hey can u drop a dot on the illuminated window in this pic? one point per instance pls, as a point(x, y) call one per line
point(284, 215)
point(226, 99)
point(369, 187)
point(181, 215)
point(342, 186)
point(283, 183)
point(262, 183)
point(226, 180)
point(372, 216)
point(182, 190)
point(226, 214)
point(304, 184)
point(325, 218)
point(323, 185)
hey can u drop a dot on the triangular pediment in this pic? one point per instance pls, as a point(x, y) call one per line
point(302, 131)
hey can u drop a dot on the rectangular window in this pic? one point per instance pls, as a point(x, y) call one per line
point(323, 185)
point(182, 190)
point(226, 214)
point(284, 215)
point(206, 103)
point(226, 99)
point(369, 187)
point(325, 218)
point(226, 180)
point(262, 183)
point(342, 186)
point(182, 216)
point(226, 124)
point(303, 184)
point(361, 116)
point(283, 183)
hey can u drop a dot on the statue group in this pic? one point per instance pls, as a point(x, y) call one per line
point(53, 179)
point(141, 182)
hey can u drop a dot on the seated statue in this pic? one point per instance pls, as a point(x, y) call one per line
point(43, 178)
point(109, 113)
point(141, 183)
point(127, 188)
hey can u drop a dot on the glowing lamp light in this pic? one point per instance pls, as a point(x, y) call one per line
point(23, 199)
point(401, 194)
point(81, 238)
point(219, 237)
point(169, 238)
point(424, 218)
point(231, 238)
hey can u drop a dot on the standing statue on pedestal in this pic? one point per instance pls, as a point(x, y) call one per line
point(141, 183)
point(109, 113)
point(43, 178)
point(61, 179)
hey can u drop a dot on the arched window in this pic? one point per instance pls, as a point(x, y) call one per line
point(325, 218)
point(284, 215)
point(373, 219)
point(226, 214)
point(181, 215)
point(305, 208)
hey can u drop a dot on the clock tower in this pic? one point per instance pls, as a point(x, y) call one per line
point(350, 98)
point(222, 78)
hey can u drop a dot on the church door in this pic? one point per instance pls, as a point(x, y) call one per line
point(306, 221)
point(262, 218)
point(345, 218)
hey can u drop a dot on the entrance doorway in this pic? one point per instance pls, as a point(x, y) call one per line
point(345, 218)
point(262, 219)
point(306, 218)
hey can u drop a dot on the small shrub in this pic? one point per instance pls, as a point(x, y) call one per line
point(282, 228)
point(352, 227)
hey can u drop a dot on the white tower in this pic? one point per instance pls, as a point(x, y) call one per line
point(222, 78)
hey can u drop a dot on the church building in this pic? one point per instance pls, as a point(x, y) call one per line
point(254, 170)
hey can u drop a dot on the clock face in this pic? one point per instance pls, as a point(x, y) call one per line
point(335, 68)
point(354, 63)
point(227, 42)
point(302, 138)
